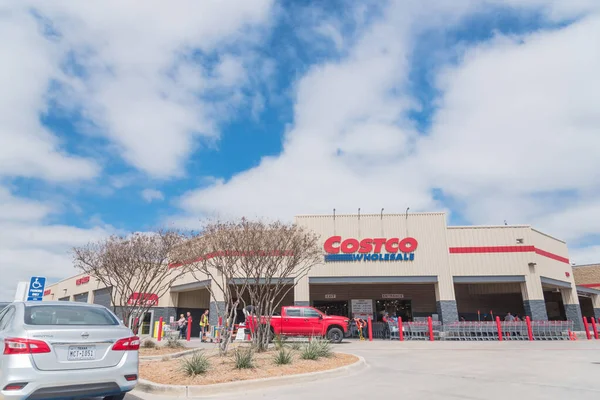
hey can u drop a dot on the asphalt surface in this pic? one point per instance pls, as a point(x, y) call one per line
point(451, 370)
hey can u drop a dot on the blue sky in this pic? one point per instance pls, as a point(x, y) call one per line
point(116, 118)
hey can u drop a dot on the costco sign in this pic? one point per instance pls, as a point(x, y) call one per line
point(370, 249)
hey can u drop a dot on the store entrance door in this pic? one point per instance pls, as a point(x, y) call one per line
point(395, 308)
point(146, 323)
point(332, 307)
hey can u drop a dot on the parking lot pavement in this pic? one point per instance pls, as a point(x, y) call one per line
point(453, 370)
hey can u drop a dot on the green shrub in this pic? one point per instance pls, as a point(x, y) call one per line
point(296, 346)
point(174, 343)
point(324, 347)
point(283, 357)
point(310, 352)
point(316, 349)
point(280, 342)
point(195, 365)
point(244, 358)
point(148, 344)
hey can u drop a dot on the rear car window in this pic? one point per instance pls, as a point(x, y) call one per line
point(293, 312)
point(68, 315)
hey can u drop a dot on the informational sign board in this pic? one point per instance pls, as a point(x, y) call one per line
point(330, 296)
point(36, 288)
point(392, 296)
point(362, 308)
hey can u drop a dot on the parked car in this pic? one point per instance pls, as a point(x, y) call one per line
point(65, 350)
point(306, 321)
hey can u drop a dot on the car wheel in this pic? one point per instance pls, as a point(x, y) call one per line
point(335, 335)
point(116, 397)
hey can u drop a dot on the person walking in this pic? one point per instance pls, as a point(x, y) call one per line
point(203, 325)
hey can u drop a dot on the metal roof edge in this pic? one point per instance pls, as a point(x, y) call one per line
point(547, 235)
point(486, 226)
point(370, 215)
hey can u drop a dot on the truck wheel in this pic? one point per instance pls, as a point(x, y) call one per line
point(335, 335)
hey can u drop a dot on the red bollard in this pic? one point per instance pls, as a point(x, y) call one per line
point(595, 328)
point(430, 323)
point(160, 329)
point(587, 328)
point(370, 323)
point(499, 326)
point(529, 330)
point(220, 321)
point(189, 329)
point(400, 330)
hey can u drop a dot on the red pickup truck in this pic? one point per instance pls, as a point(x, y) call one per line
point(306, 321)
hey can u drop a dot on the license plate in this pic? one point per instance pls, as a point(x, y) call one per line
point(79, 353)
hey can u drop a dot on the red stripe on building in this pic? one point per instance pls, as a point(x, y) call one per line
point(590, 285)
point(492, 249)
point(507, 249)
point(551, 255)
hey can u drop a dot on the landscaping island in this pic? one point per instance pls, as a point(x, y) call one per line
point(207, 367)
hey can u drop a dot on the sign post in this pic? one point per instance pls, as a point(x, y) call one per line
point(36, 288)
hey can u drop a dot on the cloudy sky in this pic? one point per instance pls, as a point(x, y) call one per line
point(117, 116)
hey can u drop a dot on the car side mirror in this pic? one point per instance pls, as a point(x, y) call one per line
point(320, 316)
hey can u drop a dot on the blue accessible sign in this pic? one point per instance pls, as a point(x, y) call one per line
point(36, 288)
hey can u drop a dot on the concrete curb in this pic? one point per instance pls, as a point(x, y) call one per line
point(219, 388)
point(170, 356)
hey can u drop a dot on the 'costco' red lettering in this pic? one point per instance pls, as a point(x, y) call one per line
point(335, 244)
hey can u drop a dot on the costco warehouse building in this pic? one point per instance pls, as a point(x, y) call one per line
point(412, 265)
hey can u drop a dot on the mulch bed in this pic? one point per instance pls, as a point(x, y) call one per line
point(223, 369)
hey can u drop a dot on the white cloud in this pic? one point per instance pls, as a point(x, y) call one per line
point(519, 118)
point(132, 73)
point(516, 126)
point(29, 63)
point(149, 195)
point(143, 85)
point(30, 247)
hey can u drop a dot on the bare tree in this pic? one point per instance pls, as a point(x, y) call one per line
point(250, 263)
point(135, 268)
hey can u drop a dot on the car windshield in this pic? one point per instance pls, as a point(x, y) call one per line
point(68, 315)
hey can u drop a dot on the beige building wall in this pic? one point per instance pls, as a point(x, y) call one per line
point(528, 253)
point(431, 255)
point(587, 274)
point(69, 288)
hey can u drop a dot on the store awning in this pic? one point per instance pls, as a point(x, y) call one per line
point(587, 291)
point(489, 279)
point(188, 287)
point(555, 282)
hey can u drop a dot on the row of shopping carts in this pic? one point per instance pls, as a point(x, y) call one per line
point(482, 331)
point(416, 330)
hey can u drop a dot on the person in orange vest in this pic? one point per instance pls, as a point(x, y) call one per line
point(360, 325)
point(203, 325)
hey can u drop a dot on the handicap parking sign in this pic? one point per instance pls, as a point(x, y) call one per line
point(36, 288)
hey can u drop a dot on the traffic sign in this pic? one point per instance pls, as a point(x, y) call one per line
point(36, 288)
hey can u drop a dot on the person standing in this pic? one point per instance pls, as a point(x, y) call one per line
point(181, 327)
point(203, 325)
point(386, 325)
point(509, 318)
